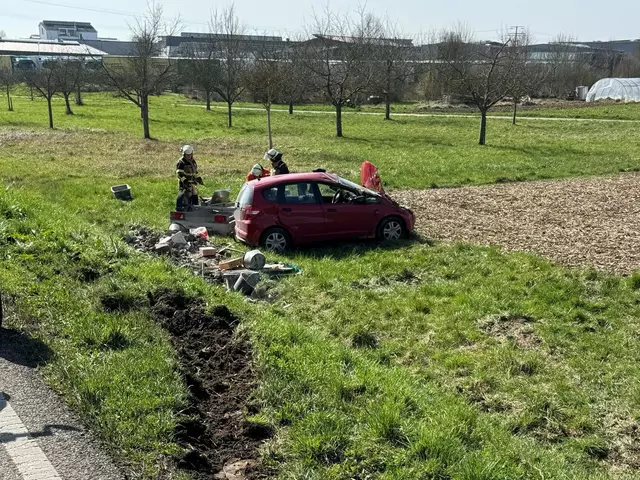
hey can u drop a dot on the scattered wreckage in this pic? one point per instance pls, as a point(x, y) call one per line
point(215, 263)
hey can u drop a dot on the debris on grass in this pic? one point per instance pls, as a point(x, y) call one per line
point(196, 252)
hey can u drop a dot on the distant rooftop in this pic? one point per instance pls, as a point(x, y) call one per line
point(80, 26)
point(393, 42)
point(47, 47)
point(262, 38)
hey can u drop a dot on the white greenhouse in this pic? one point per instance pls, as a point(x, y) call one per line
point(620, 89)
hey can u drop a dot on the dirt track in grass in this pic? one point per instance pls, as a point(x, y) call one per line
point(576, 222)
point(217, 365)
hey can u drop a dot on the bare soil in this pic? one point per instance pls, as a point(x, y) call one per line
point(513, 328)
point(585, 222)
point(217, 365)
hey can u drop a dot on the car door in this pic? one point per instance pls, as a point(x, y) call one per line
point(347, 220)
point(300, 212)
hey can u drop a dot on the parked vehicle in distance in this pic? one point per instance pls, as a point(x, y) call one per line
point(285, 210)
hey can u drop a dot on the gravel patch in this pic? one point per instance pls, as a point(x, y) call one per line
point(578, 222)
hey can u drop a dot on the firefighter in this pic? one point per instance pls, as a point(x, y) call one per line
point(187, 171)
point(277, 164)
point(257, 172)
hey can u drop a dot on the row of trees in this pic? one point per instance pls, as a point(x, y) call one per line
point(344, 60)
point(64, 77)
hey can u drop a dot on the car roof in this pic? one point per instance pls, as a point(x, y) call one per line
point(294, 177)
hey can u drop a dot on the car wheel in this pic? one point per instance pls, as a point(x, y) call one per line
point(276, 239)
point(391, 229)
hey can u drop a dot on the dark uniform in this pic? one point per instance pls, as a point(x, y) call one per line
point(279, 167)
point(187, 171)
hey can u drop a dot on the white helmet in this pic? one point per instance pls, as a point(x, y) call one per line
point(186, 150)
point(257, 170)
point(271, 154)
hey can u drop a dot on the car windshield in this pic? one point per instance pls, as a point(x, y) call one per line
point(357, 187)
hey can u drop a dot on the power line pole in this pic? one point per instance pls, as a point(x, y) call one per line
point(517, 33)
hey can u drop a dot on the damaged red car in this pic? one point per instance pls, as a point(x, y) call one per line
point(285, 210)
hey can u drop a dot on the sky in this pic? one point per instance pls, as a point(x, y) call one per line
point(583, 20)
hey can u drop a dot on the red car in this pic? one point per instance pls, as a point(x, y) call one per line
point(284, 210)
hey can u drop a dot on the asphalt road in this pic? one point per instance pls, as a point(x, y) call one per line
point(40, 438)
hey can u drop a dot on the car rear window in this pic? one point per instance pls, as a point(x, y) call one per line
point(245, 197)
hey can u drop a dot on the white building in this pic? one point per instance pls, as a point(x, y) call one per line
point(60, 30)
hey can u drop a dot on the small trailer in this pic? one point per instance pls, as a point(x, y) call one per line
point(216, 217)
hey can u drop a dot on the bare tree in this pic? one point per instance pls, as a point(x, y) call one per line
point(230, 50)
point(7, 81)
point(568, 67)
point(528, 76)
point(605, 60)
point(266, 77)
point(203, 69)
point(630, 65)
point(394, 54)
point(481, 71)
point(85, 75)
point(143, 74)
point(339, 56)
point(295, 78)
point(69, 74)
point(44, 81)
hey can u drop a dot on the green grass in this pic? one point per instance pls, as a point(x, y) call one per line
point(383, 363)
point(410, 152)
point(606, 111)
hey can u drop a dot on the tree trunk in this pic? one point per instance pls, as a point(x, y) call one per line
point(50, 112)
point(483, 128)
point(387, 94)
point(144, 111)
point(290, 108)
point(387, 106)
point(230, 121)
point(9, 101)
point(68, 110)
point(208, 101)
point(515, 109)
point(269, 126)
point(339, 120)
point(79, 97)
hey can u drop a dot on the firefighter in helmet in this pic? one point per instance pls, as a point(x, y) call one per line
point(188, 178)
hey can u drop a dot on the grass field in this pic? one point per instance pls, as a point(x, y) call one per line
point(608, 110)
point(410, 152)
point(419, 360)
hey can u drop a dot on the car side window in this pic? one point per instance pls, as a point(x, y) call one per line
point(302, 192)
point(270, 194)
point(327, 192)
